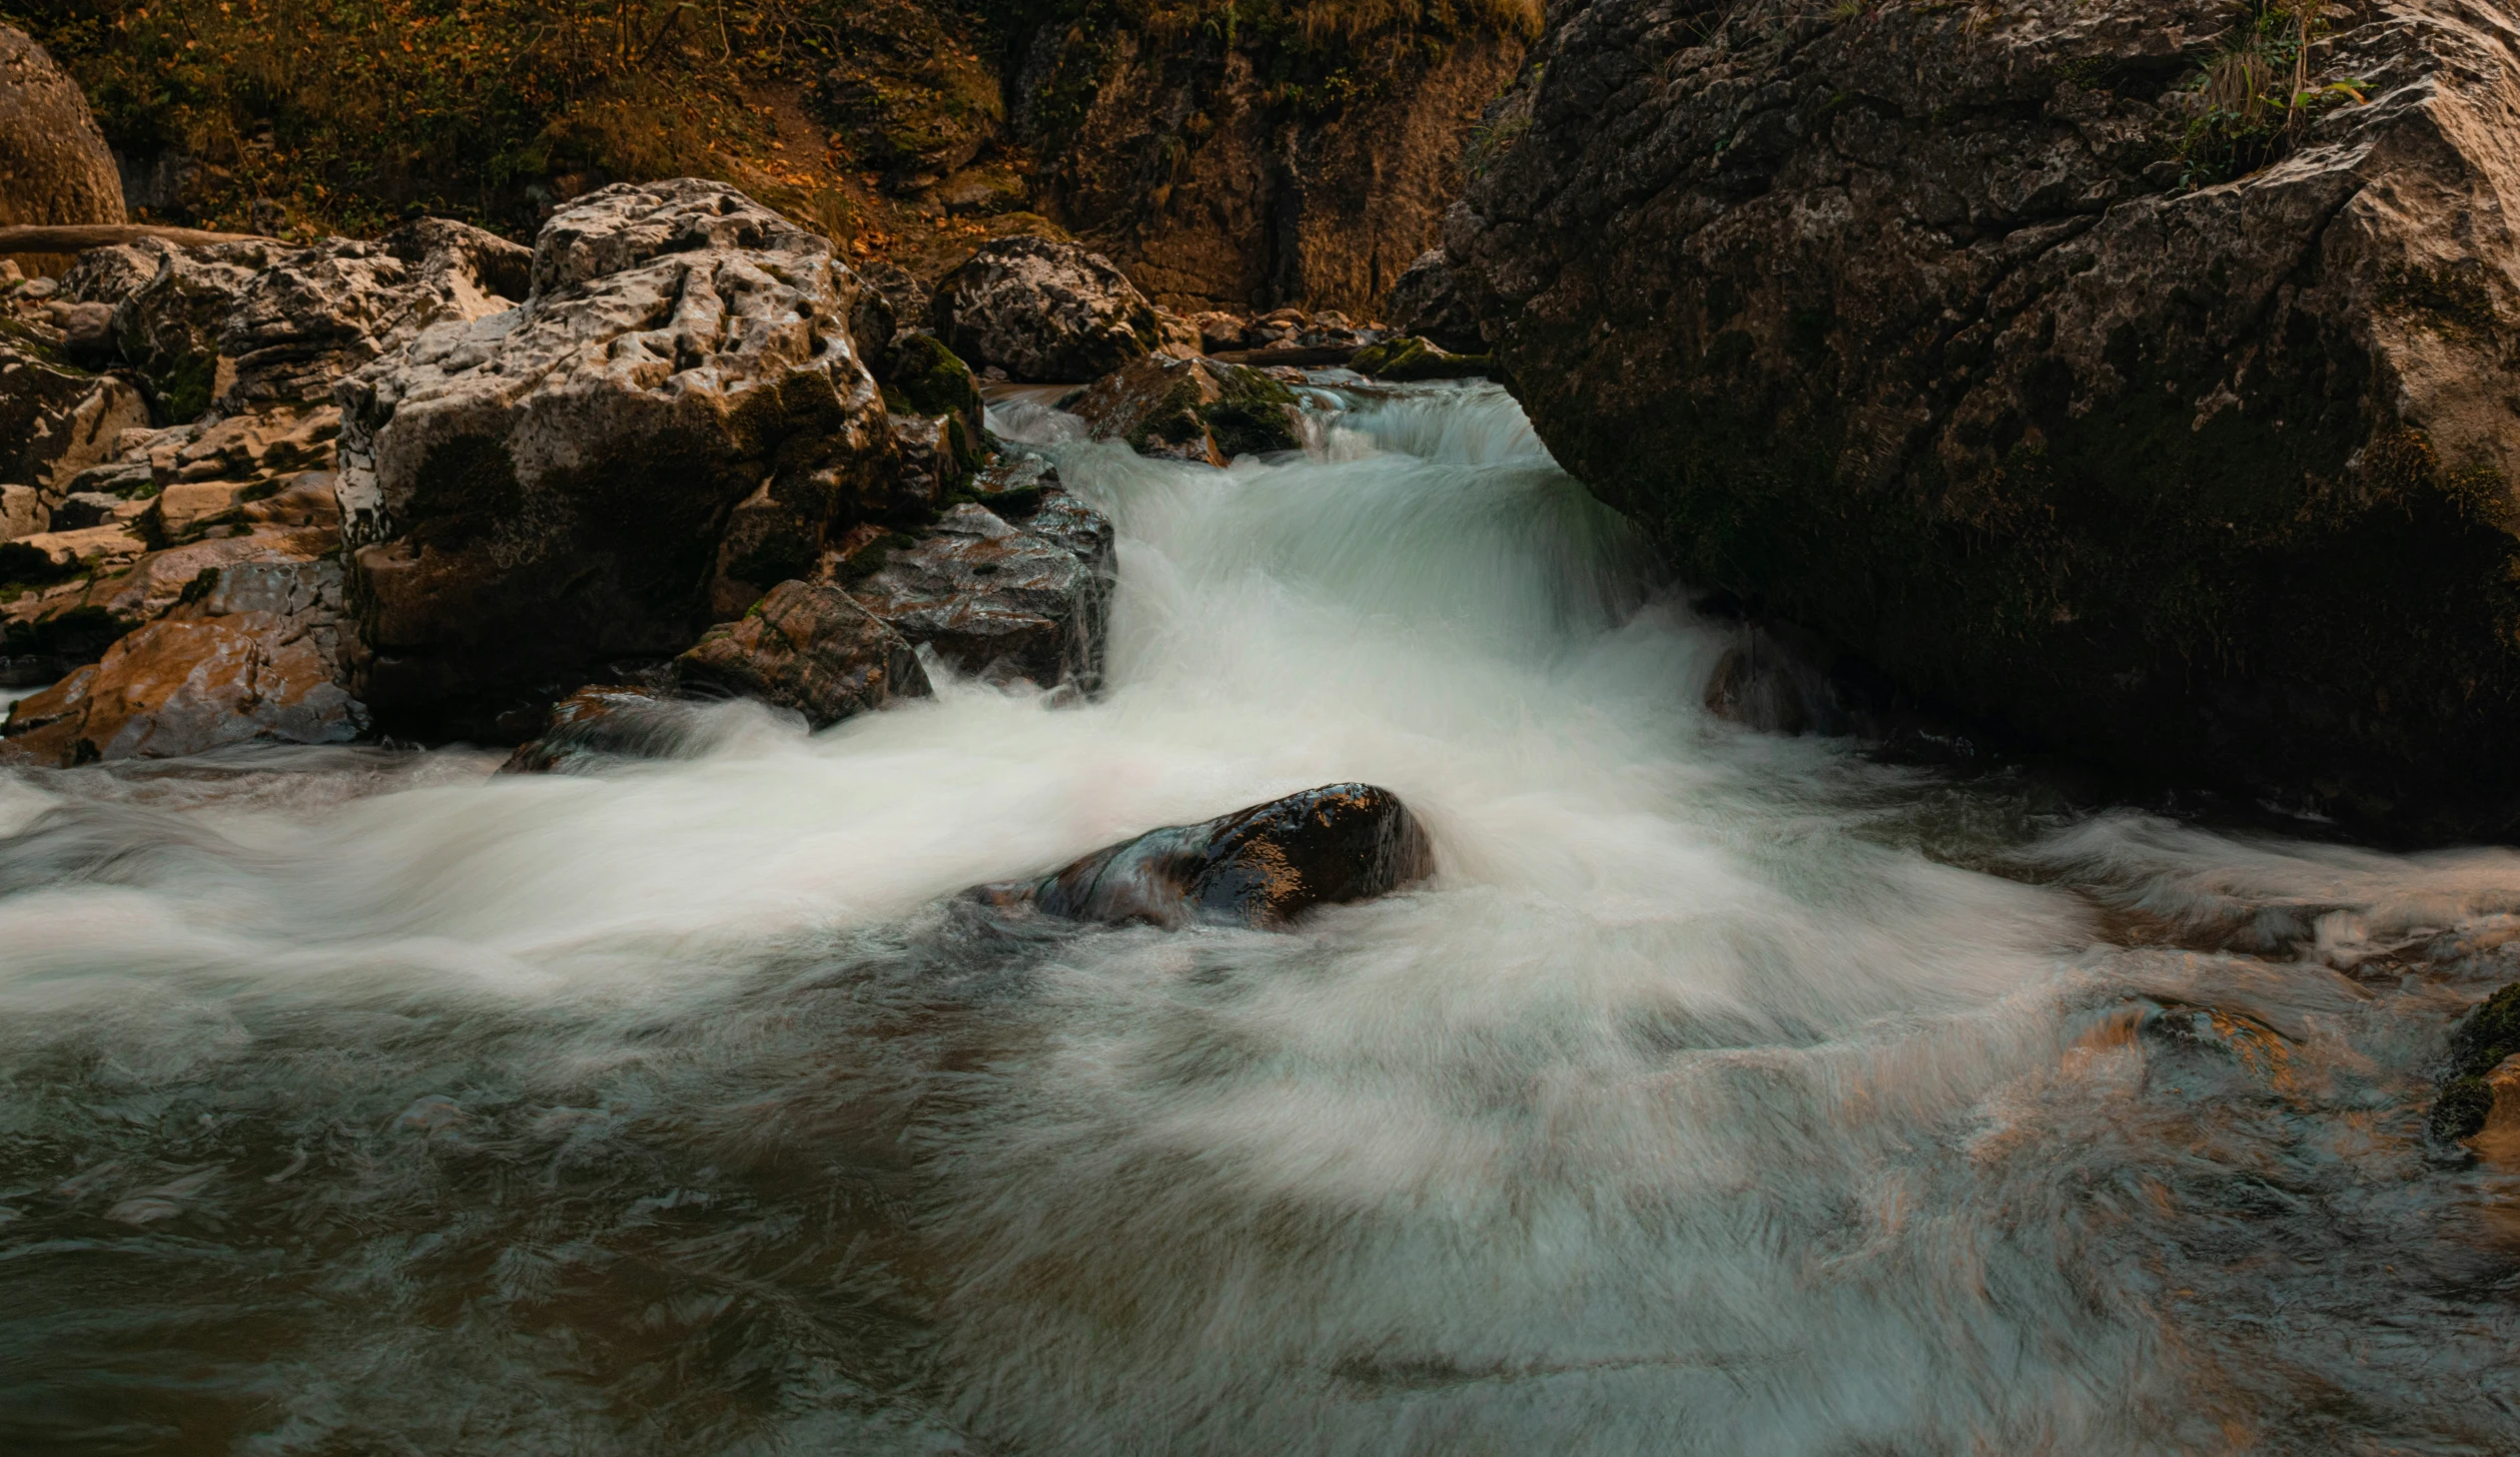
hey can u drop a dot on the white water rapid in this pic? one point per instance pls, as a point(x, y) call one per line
point(1723, 1094)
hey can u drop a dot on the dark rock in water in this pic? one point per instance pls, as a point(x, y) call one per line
point(2174, 438)
point(1191, 409)
point(1771, 681)
point(1428, 301)
point(1261, 867)
point(2488, 1037)
point(810, 648)
point(1407, 358)
point(1043, 310)
point(1002, 602)
point(606, 722)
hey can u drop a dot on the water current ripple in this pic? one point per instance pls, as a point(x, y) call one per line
point(1724, 1092)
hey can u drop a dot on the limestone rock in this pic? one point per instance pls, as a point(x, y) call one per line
point(810, 648)
point(169, 327)
point(258, 658)
point(1974, 342)
point(57, 419)
point(317, 314)
point(1259, 868)
point(1191, 409)
point(54, 164)
point(536, 492)
point(1044, 311)
point(1001, 602)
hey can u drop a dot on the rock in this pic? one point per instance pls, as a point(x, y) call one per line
point(1044, 311)
point(1219, 332)
point(317, 314)
point(909, 301)
point(1428, 301)
point(1892, 322)
point(810, 648)
point(112, 274)
point(536, 493)
point(91, 548)
point(1261, 868)
point(54, 164)
point(999, 602)
point(926, 382)
point(2482, 1044)
point(1191, 409)
point(1403, 359)
point(169, 328)
point(84, 509)
point(258, 661)
point(604, 724)
point(86, 333)
point(57, 419)
point(1191, 170)
point(22, 513)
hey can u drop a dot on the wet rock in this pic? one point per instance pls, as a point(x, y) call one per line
point(940, 421)
point(1986, 352)
point(538, 492)
point(1191, 409)
point(1001, 602)
point(1429, 303)
point(258, 658)
point(54, 163)
point(2483, 1042)
point(1774, 683)
point(1044, 311)
point(810, 648)
point(1407, 358)
point(1259, 868)
point(604, 724)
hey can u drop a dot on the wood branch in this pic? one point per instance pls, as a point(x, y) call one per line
point(80, 237)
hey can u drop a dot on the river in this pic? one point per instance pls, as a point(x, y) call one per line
point(1724, 1092)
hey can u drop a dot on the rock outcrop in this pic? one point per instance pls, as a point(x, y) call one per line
point(257, 657)
point(1429, 303)
point(1985, 344)
point(1290, 160)
point(538, 492)
point(54, 164)
point(1044, 311)
point(809, 648)
point(1259, 868)
point(1191, 409)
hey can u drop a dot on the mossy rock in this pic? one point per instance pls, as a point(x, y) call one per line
point(1410, 359)
point(2488, 1034)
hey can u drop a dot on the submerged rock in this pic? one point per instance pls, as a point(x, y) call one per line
point(810, 648)
point(605, 723)
point(1982, 345)
point(2484, 1041)
point(1191, 409)
point(1044, 311)
point(1261, 867)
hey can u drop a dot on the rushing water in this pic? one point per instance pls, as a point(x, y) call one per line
point(1723, 1094)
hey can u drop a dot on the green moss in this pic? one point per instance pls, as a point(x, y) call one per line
point(1408, 358)
point(929, 377)
point(2481, 1041)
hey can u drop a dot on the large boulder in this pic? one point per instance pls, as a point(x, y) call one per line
point(536, 493)
point(1044, 311)
point(1191, 409)
point(1984, 344)
point(1001, 601)
point(54, 164)
point(1261, 868)
point(809, 648)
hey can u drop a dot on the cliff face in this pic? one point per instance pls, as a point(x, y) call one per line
point(2053, 360)
point(1248, 172)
